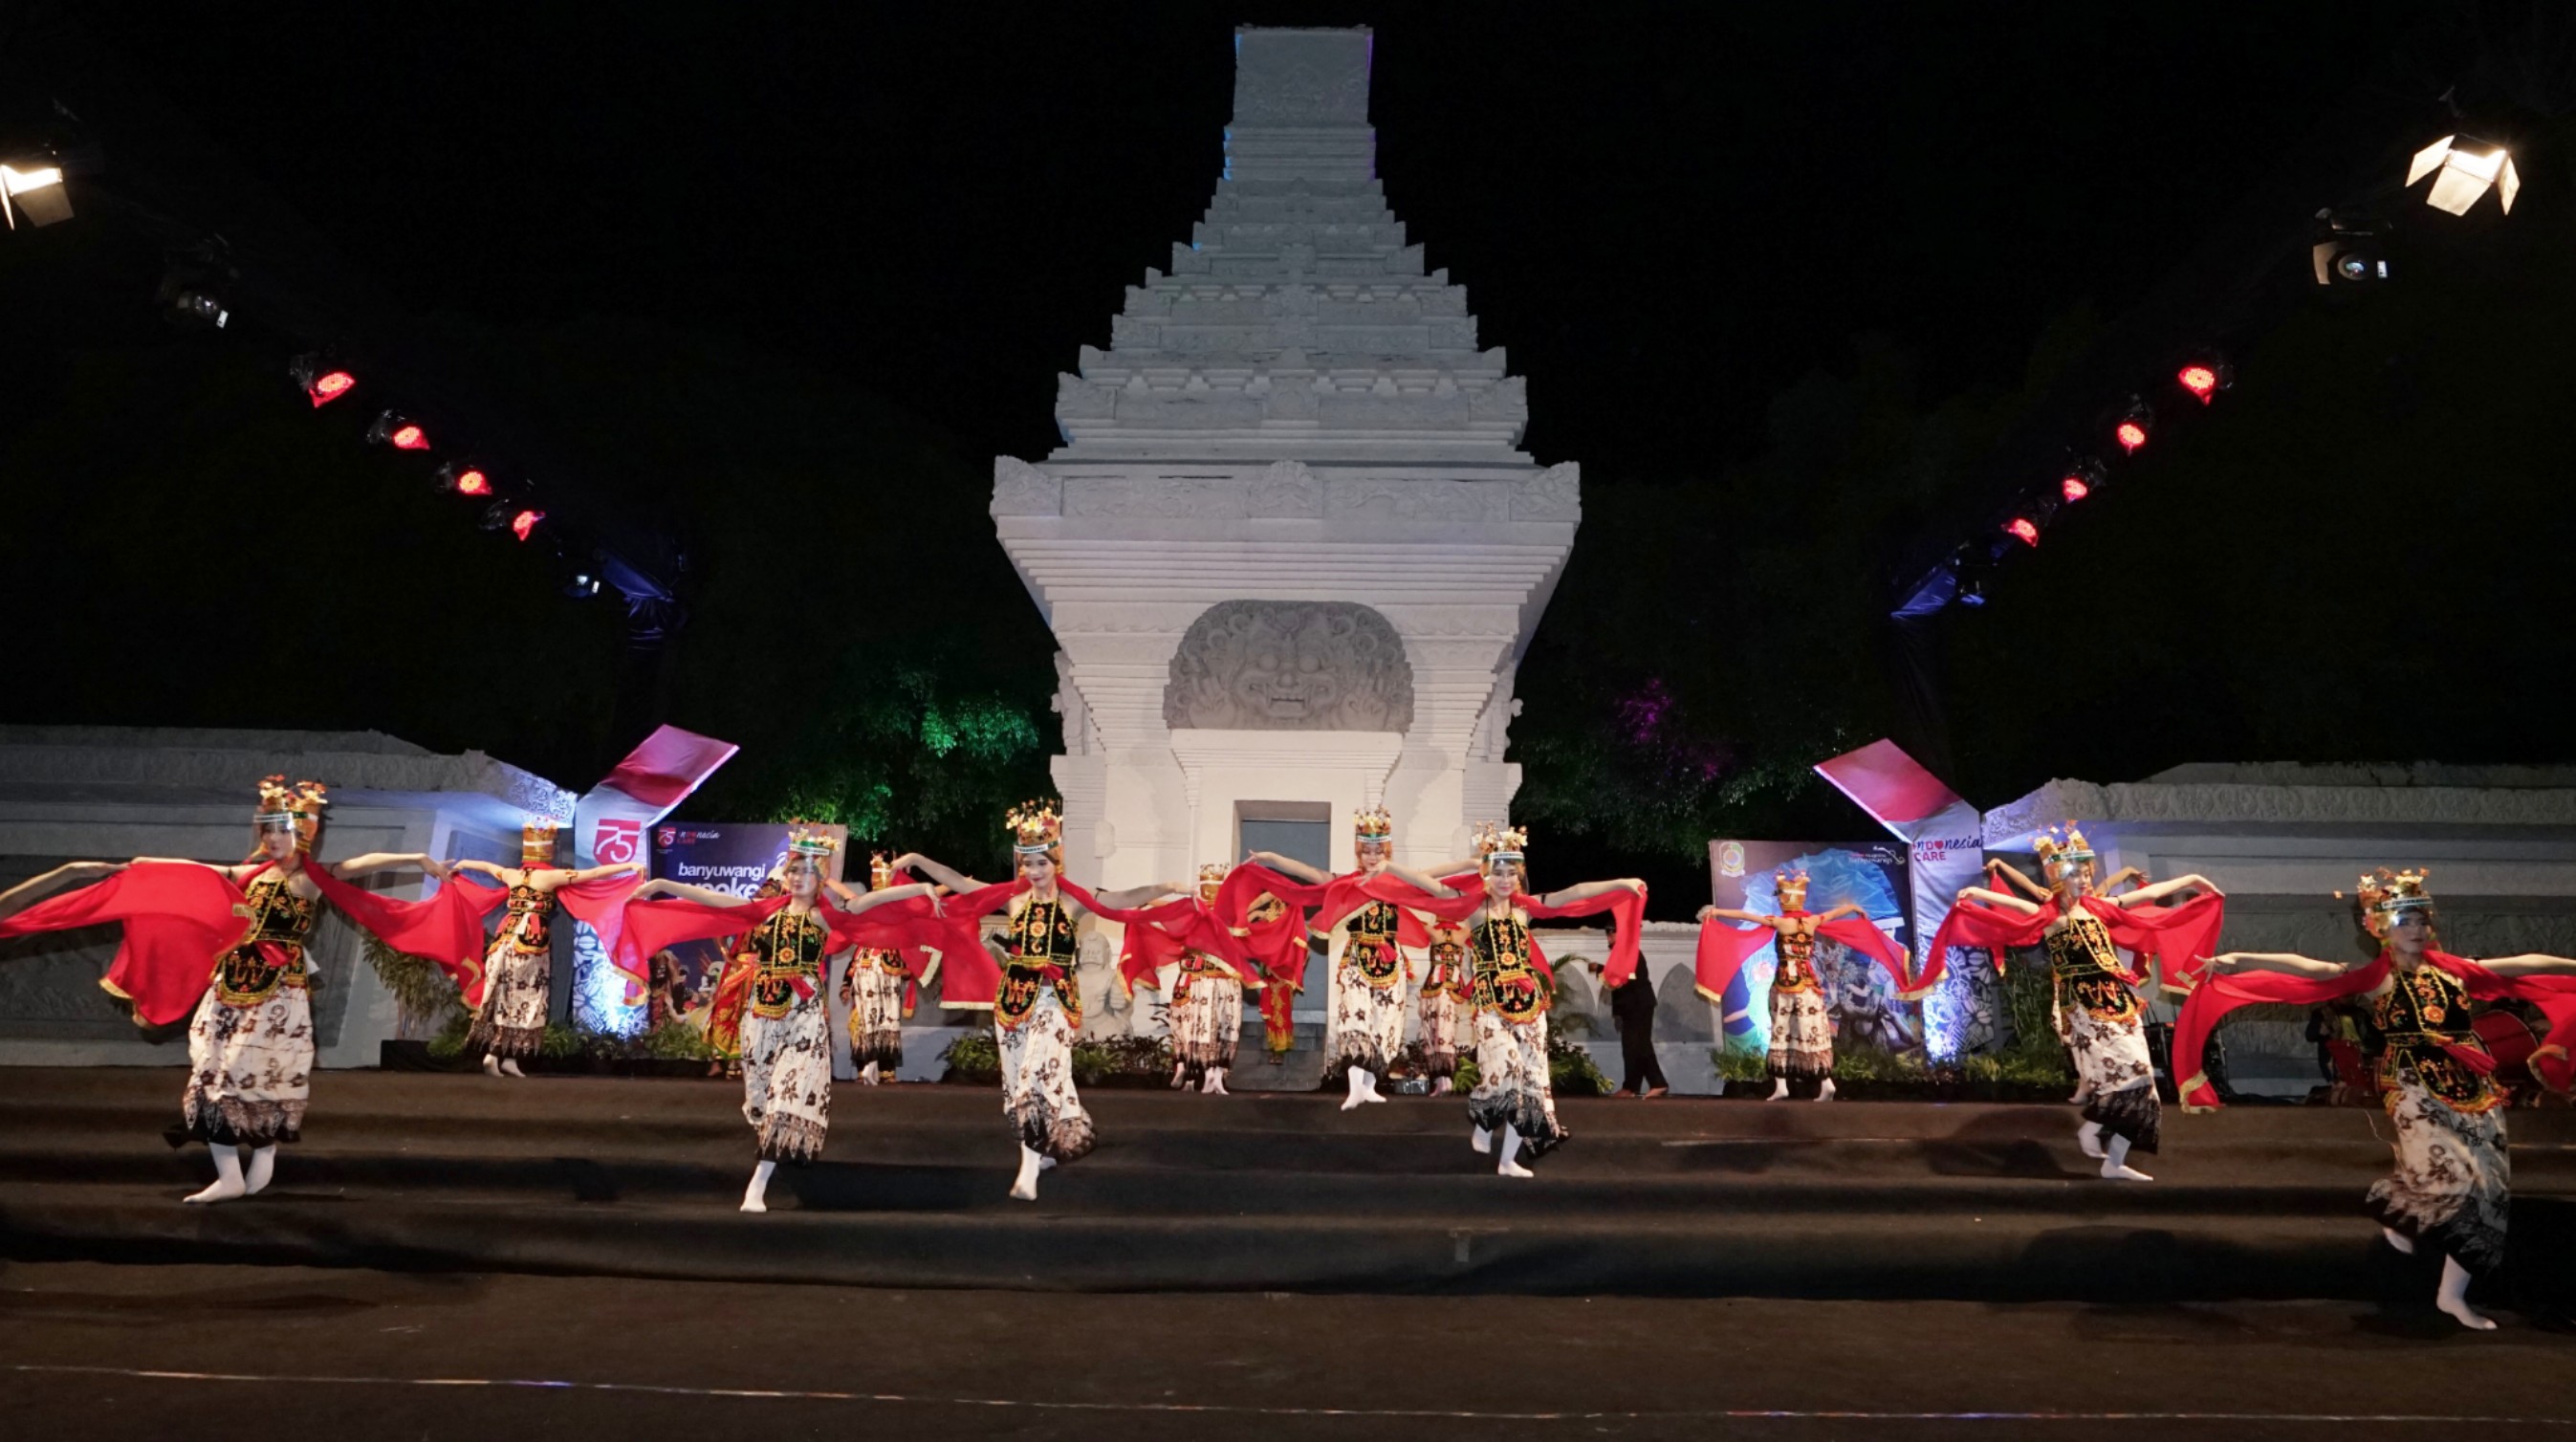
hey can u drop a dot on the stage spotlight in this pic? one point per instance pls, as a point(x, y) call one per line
point(523, 524)
point(583, 585)
point(2467, 168)
point(2347, 251)
point(2083, 477)
point(193, 288)
point(33, 187)
point(2135, 425)
point(2206, 378)
point(395, 430)
point(320, 380)
point(2023, 529)
point(464, 480)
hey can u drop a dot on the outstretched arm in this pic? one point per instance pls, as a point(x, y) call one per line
point(667, 887)
point(949, 877)
point(1731, 914)
point(1420, 882)
point(2163, 889)
point(855, 903)
point(35, 886)
point(1460, 867)
point(375, 861)
point(2284, 962)
point(1134, 896)
point(600, 873)
point(1585, 891)
point(491, 869)
point(1998, 868)
point(1997, 898)
point(2528, 964)
point(1288, 866)
point(1848, 908)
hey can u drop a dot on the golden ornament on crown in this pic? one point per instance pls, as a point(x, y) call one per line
point(1035, 826)
point(1497, 842)
point(2061, 851)
point(1792, 888)
point(2386, 895)
point(811, 839)
point(1375, 823)
point(880, 871)
point(537, 842)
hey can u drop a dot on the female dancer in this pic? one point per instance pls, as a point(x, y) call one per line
point(1038, 1008)
point(1513, 1093)
point(250, 1034)
point(510, 1019)
point(877, 989)
point(1448, 994)
point(2452, 1183)
point(1802, 1032)
point(2096, 1000)
point(1366, 1029)
point(1206, 1014)
point(786, 1034)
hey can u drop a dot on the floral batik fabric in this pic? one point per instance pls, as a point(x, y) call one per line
point(250, 1044)
point(877, 988)
point(1447, 991)
point(1206, 1016)
point(1510, 1003)
point(2098, 1013)
point(1038, 1013)
point(1802, 1031)
point(1368, 991)
point(517, 969)
point(2453, 1182)
point(786, 1039)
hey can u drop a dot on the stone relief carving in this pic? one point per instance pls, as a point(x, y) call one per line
point(1287, 488)
point(1415, 500)
point(1290, 666)
point(1555, 494)
point(1021, 489)
point(1079, 399)
point(1166, 497)
point(1315, 88)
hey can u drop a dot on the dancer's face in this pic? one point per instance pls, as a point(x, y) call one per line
point(1373, 856)
point(1037, 869)
point(804, 879)
point(2411, 934)
point(1504, 880)
point(2079, 879)
point(277, 843)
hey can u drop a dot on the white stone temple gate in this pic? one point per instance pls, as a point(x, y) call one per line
point(1289, 550)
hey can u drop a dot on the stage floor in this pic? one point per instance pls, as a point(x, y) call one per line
point(1673, 1197)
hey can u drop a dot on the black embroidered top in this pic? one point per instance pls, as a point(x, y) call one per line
point(529, 926)
point(790, 950)
point(1371, 948)
point(1797, 970)
point(271, 954)
point(1043, 951)
point(2086, 969)
point(1453, 972)
point(2410, 1024)
point(1507, 981)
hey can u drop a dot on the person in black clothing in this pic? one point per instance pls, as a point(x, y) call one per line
point(1632, 1005)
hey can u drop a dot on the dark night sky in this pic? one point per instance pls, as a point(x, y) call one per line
point(1666, 214)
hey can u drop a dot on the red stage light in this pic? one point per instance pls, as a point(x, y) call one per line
point(2130, 435)
point(2073, 488)
point(330, 386)
point(473, 483)
point(2023, 529)
point(2199, 380)
point(525, 522)
point(408, 438)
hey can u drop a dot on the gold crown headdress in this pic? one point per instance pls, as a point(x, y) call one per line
point(537, 840)
point(810, 838)
point(299, 806)
point(880, 871)
point(1035, 827)
point(2386, 895)
point(1788, 884)
point(1374, 824)
point(1496, 842)
point(2060, 851)
point(1212, 876)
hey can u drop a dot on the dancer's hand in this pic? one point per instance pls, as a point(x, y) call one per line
point(1708, 913)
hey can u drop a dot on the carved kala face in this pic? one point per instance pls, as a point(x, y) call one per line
point(1373, 856)
point(1284, 674)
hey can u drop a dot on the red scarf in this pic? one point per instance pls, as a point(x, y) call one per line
point(2221, 994)
point(1723, 949)
point(2179, 938)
